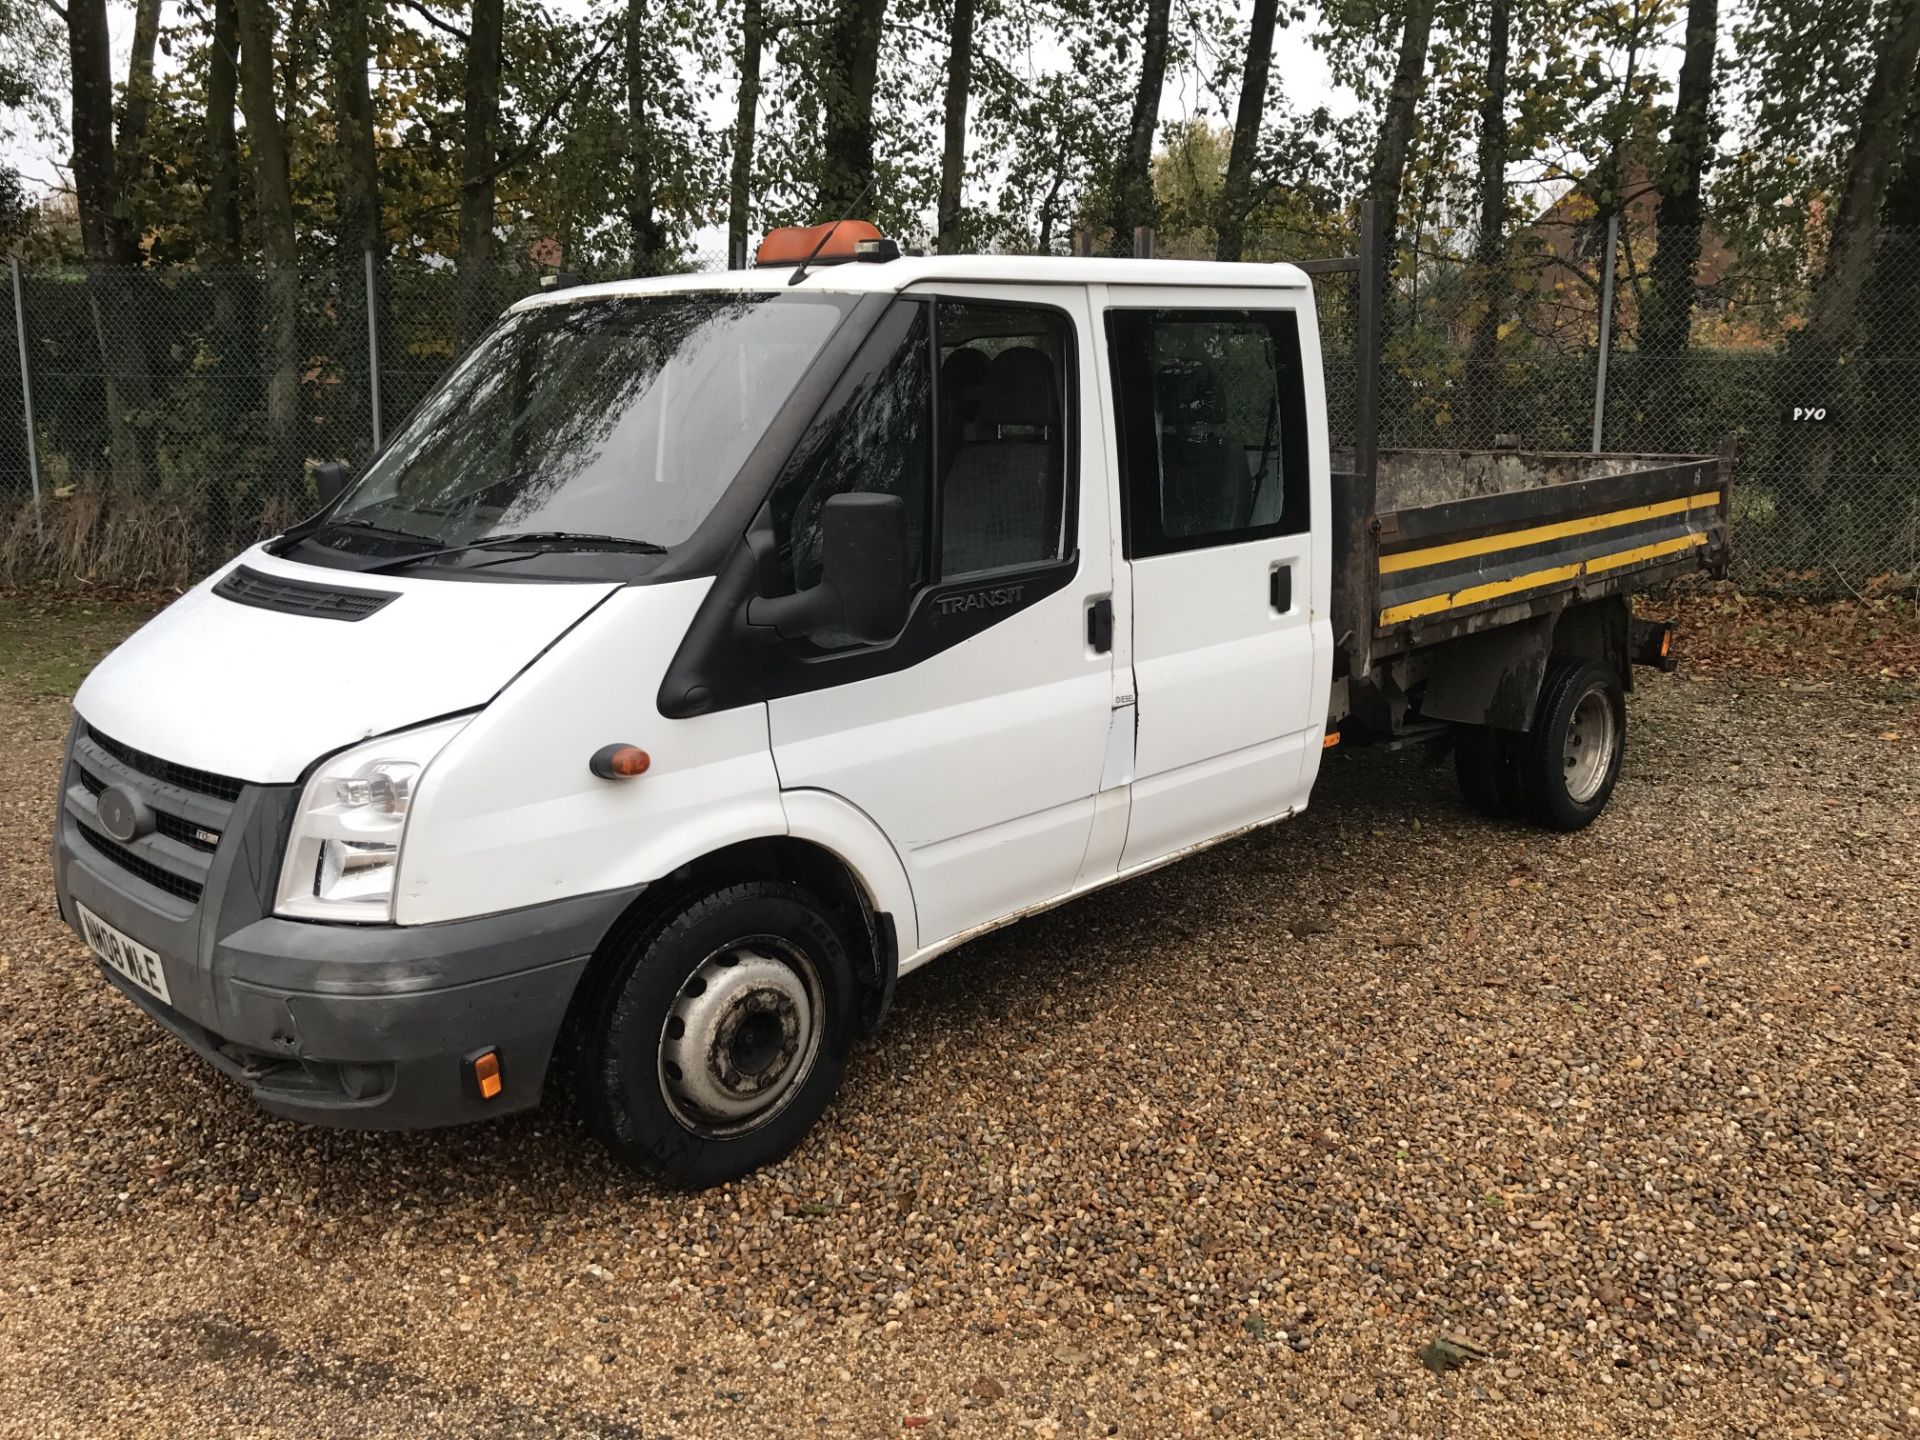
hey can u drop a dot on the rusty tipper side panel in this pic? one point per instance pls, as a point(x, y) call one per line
point(1463, 565)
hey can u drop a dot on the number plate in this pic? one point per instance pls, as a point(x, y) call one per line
point(125, 954)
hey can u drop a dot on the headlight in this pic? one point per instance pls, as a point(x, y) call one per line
point(345, 847)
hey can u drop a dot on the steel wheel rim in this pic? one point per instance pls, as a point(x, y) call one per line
point(741, 1037)
point(1587, 751)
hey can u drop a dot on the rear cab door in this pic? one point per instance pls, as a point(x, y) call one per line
point(1219, 413)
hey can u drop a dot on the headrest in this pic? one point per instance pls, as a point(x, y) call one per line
point(965, 369)
point(1021, 403)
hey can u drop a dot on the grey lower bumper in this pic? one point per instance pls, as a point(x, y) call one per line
point(362, 1026)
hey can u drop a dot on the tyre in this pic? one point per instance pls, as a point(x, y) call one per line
point(1570, 760)
point(1487, 764)
point(718, 1036)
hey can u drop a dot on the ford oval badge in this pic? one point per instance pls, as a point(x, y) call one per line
point(123, 814)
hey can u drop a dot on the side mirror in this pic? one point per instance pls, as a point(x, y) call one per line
point(330, 480)
point(866, 574)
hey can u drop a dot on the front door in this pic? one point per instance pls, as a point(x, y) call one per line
point(976, 739)
point(1230, 636)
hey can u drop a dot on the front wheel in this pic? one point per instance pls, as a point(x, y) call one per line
point(719, 1035)
point(1571, 758)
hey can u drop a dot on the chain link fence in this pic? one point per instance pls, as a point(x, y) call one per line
point(174, 422)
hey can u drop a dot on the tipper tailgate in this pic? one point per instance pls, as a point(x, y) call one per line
point(1464, 564)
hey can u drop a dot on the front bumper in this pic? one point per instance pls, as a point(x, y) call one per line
point(351, 1025)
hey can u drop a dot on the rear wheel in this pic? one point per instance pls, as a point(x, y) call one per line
point(1571, 758)
point(718, 1038)
point(1487, 764)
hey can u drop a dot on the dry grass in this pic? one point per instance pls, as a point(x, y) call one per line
point(90, 539)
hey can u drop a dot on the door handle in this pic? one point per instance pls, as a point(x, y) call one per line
point(1100, 624)
point(1280, 589)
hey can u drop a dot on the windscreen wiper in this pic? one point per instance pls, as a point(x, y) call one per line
point(354, 522)
point(536, 541)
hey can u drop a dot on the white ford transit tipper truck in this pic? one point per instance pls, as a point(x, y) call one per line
point(708, 651)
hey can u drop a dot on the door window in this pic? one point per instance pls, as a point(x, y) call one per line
point(1003, 436)
point(964, 410)
point(1212, 418)
point(875, 434)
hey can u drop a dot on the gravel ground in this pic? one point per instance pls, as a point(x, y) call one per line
point(1632, 1112)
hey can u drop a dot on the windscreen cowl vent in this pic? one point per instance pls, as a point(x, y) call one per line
point(247, 586)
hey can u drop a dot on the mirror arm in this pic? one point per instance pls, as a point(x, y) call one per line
point(795, 617)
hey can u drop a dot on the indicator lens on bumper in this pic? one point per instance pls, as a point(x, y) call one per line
point(487, 1080)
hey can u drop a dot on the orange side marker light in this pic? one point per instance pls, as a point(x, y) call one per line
point(619, 762)
point(486, 1074)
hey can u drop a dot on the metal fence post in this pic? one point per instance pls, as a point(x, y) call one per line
point(1606, 331)
point(26, 386)
point(373, 350)
point(1143, 239)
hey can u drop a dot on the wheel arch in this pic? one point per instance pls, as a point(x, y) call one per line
point(1494, 677)
point(875, 933)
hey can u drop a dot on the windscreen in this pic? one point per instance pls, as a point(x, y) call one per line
point(625, 417)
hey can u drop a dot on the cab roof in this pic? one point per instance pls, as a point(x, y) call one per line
point(890, 276)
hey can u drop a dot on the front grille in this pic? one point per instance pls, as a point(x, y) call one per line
point(186, 832)
point(185, 776)
point(201, 837)
point(155, 875)
point(246, 586)
point(191, 810)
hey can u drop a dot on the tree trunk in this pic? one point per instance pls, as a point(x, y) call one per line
point(96, 183)
point(1237, 188)
point(293, 66)
point(1133, 184)
point(273, 210)
point(853, 66)
point(223, 149)
point(111, 248)
point(1490, 242)
point(643, 225)
point(481, 121)
point(136, 108)
point(1387, 170)
point(1049, 211)
point(1667, 315)
point(1834, 309)
point(746, 113)
point(350, 39)
point(953, 157)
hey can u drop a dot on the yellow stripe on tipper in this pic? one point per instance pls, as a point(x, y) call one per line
point(1514, 539)
point(1496, 589)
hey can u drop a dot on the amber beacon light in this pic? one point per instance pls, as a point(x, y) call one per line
point(828, 244)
